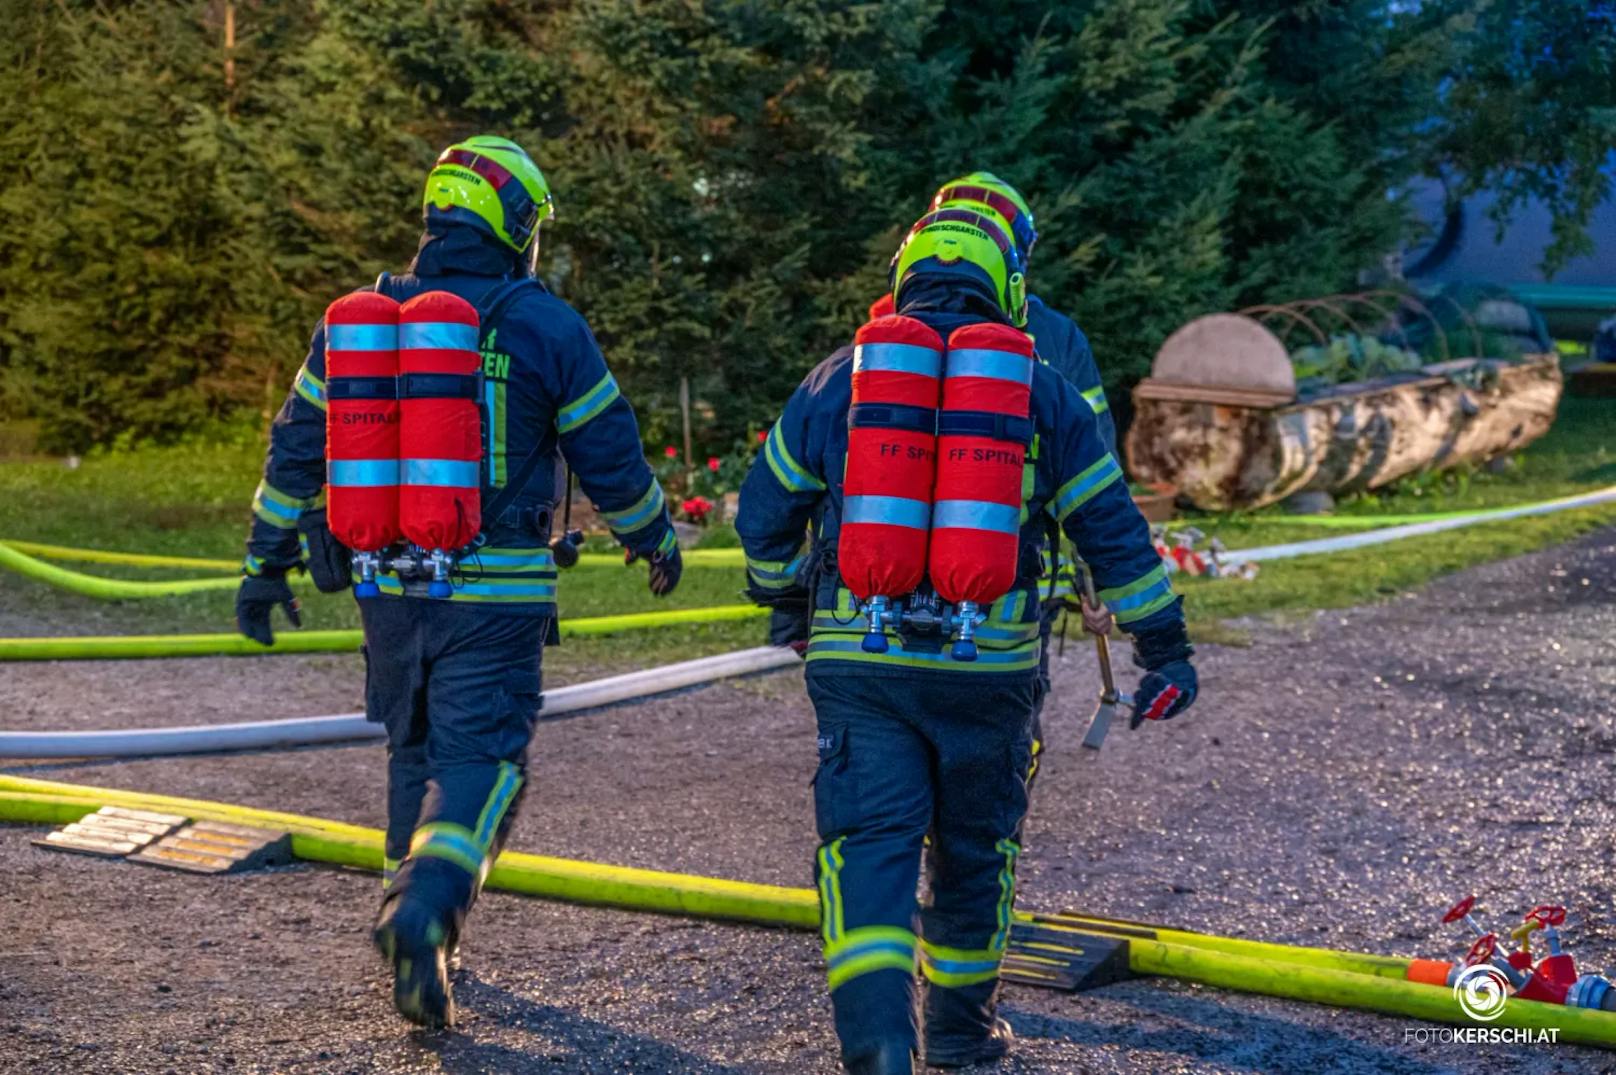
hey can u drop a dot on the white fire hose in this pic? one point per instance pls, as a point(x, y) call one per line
point(306, 731)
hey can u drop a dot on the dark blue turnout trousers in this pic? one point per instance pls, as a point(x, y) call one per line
point(901, 756)
point(457, 687)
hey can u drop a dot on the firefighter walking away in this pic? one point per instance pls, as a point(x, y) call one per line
point(416, 457)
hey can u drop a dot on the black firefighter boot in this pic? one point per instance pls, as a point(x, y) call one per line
point(963, 1028)
point(415, 942)
point(895, 1058)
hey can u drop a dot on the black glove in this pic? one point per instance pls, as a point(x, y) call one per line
point(666, 567)
point(257, 596)
point(789, 625)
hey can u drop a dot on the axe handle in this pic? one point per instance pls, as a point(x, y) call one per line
point(1102, 644)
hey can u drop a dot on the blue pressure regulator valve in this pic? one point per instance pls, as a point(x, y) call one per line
point(879, 612)
point(965, 618)
point(367, 563)
point(441, 563)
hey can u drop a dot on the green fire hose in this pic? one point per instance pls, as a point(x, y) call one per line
point(27, 558)
point(105, 589)
point(1177, 954)
point(92, 647)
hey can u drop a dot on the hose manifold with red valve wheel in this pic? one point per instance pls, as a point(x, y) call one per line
point(1552, 979)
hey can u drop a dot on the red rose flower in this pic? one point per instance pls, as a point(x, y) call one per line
point(713, 463)
point(671, 452)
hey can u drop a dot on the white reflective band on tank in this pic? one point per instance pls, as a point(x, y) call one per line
point(361, 337)
point(898, 357)
point(889, 510)
point(976, 515)
point(995, 365)
point(356, 473)
point(454, 473)
point(436, 336)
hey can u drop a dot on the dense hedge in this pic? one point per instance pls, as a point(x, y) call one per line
point(732, 176)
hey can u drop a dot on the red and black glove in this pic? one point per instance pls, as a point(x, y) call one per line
point(1170, 684)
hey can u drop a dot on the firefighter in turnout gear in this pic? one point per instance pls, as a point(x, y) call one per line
point(1066, 349)
point(453, 666)
point(923, 730)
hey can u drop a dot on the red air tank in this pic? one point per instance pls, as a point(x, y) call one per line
point(361, 421)
point(983, 433)
point(891, 456)
point(440, 440)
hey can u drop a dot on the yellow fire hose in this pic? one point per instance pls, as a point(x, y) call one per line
point(105, 589)
point(133, 559)
point(93, 647)
point(28, 558)
point(321, 840)
point(1186, 956)
point(1328, 958)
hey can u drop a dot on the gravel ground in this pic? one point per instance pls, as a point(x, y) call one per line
point(1342, 780)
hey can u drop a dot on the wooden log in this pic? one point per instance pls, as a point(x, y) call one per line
point(1225, 455)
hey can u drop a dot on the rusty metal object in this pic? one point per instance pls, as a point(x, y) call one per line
point(1245, 444)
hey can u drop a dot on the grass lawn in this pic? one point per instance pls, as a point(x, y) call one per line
point(192, 500)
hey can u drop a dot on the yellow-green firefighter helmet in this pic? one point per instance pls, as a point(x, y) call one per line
point(490, 183)
point(986, 192)
point(967, 245)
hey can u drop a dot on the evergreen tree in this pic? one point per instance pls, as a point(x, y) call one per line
point(733, 176)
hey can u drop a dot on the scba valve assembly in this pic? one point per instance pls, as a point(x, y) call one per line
point(404, 435)
point(937, 442)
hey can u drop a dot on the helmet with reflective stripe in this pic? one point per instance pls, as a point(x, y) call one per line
point(986, 192)
point(968, 245)
point(492, 184)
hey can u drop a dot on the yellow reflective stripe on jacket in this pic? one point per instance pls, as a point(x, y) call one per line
point(868, 949)
point(1085, 487)
point(496, 576)
point(821, 648)
point(787, 471)
point(775, 574)
point(1145, 595)
point(1095, 398)
point(642, 513)
point(602, 395)
point(1007, 639)
point(309, 387)
point(280, 509)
